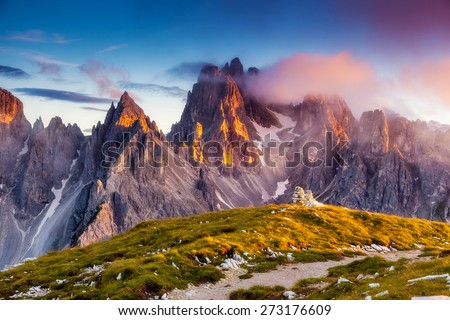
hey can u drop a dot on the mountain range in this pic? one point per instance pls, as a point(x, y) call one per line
point(59, 188)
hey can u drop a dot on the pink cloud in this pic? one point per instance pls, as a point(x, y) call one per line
point(105, 77)
point(50, 68)
point(411, 93)
point(292, 78)
point(429, 76)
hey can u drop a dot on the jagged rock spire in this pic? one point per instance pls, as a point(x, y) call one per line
point(128, 112)
point(11, 108)
point(235, 68)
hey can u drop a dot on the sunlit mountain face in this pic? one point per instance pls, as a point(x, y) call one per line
point(72, 60)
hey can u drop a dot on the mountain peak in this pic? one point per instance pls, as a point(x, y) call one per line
point(330, 111)
point(11, 108)
point(127, 102)
point(209, 72)
point(128, 107)
point(128, 112)
point(253, 71)
point(38, 125)
point(235, 68)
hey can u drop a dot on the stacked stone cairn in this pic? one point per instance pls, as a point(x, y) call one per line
point(305, 198)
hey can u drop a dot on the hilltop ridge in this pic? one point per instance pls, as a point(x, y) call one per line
point(159, 255)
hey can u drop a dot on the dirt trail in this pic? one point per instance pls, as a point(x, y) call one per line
point(285, 276)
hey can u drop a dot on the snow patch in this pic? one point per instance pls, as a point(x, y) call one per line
point(264, 132)
point(281, 188)
point(24, 149)
point(285, 121)
point(223, 201)
point(16, 225)
point(272, 132)
point(50, 209)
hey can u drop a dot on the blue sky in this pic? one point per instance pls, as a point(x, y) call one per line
point(72, 58)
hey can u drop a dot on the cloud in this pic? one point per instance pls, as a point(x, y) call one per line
point(420, 90)
point(61, 95)
point(296, 76)
point(47, 64)
point(46, 59)
point(105, 77)
point(428, 76)
point(10, 72)
point(172, 92)
point(112, 48)
point(94, 109)
point(40, 36)
point(187, 70)
point(50, 68)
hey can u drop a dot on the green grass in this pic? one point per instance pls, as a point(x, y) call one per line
point(366, 266)
point(318, 234)
point(259, 293)
point(375, 270)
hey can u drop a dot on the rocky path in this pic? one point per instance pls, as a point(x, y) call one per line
point(285, 276)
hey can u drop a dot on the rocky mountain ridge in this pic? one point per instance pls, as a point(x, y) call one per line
point(67, 189)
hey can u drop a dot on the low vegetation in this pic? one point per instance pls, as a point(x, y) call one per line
point(157, 256)
point(368, 278)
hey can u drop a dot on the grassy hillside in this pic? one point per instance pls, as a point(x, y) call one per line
point(157, 256)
